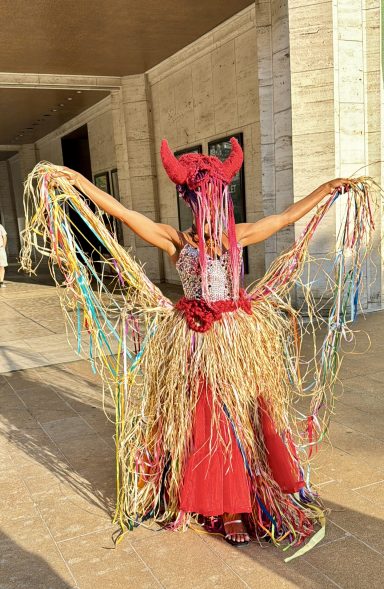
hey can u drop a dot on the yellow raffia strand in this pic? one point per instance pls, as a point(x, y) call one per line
point(241, 357)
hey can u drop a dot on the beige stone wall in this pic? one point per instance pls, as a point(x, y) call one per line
point(141, 166)
point(373, 130)
point(273, 70)
point(101, 142)
point(311, 38)
point(336, 91)
point(207, 91)
point(51, 151)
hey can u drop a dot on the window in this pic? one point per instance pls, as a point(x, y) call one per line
point(102, 181)
point(117, 225)
point(108, 182)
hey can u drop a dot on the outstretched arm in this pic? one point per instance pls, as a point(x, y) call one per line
point(160, 235)
point(249, 233)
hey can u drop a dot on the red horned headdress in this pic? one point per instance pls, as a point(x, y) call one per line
point(192, 168)
point(202, 181)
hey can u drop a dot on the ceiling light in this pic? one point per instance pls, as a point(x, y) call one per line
point(79, 91)
point(54, 110)
point(61, 104)
point(69, 98)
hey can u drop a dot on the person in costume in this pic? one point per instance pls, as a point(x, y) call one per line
point(205, 389)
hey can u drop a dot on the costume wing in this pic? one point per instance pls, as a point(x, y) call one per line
point(112, 308)
point(324, 322)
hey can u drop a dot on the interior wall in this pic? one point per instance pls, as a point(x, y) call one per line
point(101, 142)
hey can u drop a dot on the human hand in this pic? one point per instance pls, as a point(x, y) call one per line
point(63, 172)
point(337, 183)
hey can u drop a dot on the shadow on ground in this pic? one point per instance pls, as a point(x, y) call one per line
point(57, 492)
point(21, 568)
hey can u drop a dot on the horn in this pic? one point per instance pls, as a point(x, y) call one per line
point(234, 161)
point(175, 170)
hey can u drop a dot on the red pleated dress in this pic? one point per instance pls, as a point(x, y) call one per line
point(216, 481)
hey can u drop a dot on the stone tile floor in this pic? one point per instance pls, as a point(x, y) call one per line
point(57, 477)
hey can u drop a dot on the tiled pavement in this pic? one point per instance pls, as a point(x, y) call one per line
point(32, 329)
point(57, 478)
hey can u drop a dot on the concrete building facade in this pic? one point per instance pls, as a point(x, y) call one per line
point(301, 80)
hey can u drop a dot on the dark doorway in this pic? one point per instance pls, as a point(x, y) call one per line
point(76, 155)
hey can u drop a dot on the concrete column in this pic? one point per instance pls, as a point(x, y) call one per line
point(137, 152)
point(311, 32)
point(122, 164)
point(335, 88)
point(374, 134)
point(28, 158)
point(320, 95)
point(275, 116)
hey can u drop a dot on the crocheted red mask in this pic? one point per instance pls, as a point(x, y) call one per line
point(202, 181)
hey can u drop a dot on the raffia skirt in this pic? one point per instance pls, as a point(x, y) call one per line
point(205, 428)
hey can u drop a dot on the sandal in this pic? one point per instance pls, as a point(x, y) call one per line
point(228, 537)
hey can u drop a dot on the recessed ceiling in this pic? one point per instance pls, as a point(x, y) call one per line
point(103, 37)
point(4, 155)
point(27, 115)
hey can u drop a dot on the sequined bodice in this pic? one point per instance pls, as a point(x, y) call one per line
point(218, 273)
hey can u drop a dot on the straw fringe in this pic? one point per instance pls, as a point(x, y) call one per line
point(152, 364)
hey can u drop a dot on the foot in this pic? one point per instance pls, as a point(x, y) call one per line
point(235, 532)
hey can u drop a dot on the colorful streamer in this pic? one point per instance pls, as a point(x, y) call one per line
point(151, 362)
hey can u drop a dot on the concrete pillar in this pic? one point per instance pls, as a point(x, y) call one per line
point(320, 96)
point(137, 161)
point(28, 158)
point(122, 164)
point(335, 87)
point(374, 135)
point(275, 116)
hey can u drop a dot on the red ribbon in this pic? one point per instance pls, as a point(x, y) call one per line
point(201, 314)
